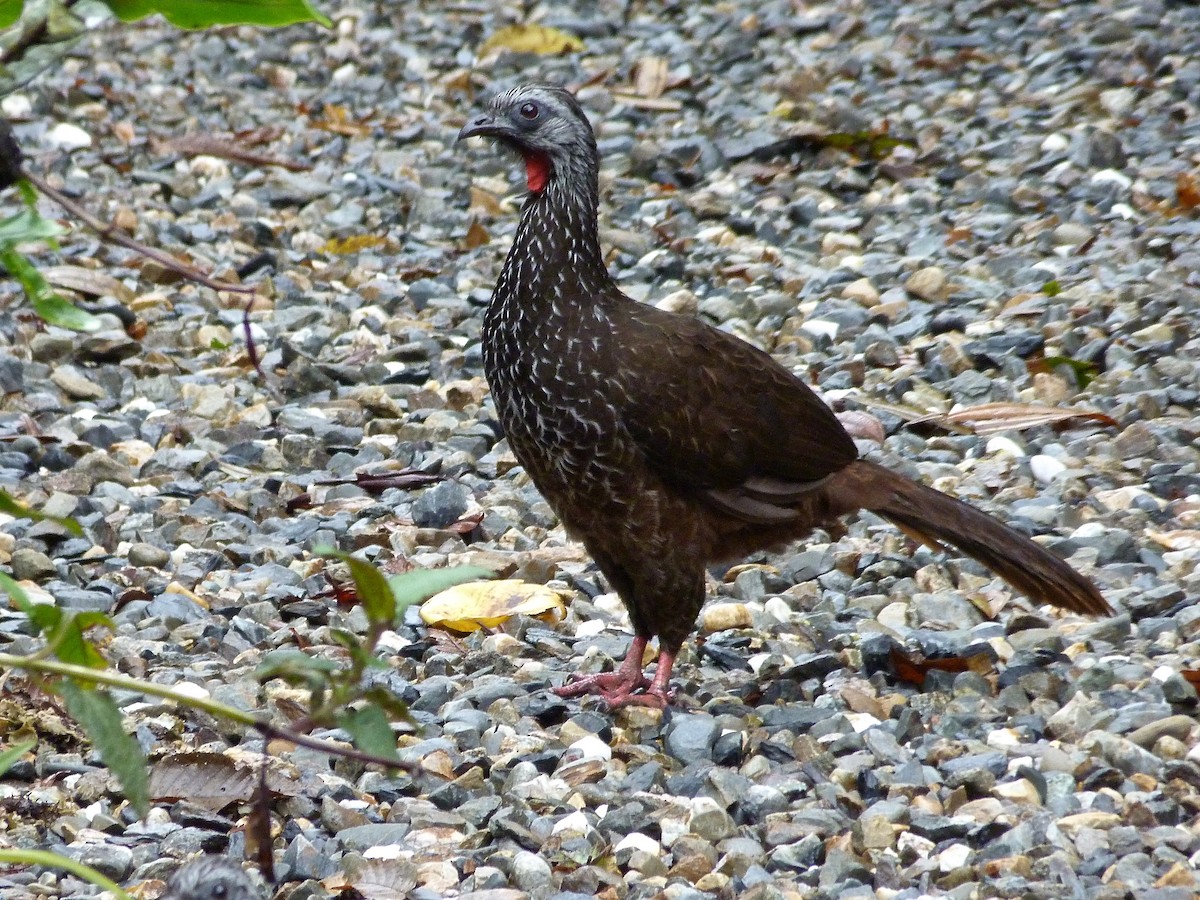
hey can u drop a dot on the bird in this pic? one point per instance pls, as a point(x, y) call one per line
point(211, 878)
point(664, 444)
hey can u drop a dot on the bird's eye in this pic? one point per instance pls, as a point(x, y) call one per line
point(529, 111)
point(219, 890)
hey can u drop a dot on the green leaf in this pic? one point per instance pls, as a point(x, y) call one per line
point(10, 12)
point(1052, 288)
point(419, 585)
point(71, 646)
point(52, 308)
point(295, 667)
point(45, 858)
point(13, 753)
point(206, 13)
point(388, 702)
point(101, 719)
point(19, 510)
point(373, 591)
point(27, 225)
point(371, 731)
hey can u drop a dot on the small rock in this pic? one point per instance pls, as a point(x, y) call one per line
point(928, 284)
point(691, 737)
point(32, 565)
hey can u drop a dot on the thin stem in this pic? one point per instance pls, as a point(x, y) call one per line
point(262, 726)
point(111, 233)
point(54, 861)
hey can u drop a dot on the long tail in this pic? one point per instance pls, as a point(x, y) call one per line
point(937, 519)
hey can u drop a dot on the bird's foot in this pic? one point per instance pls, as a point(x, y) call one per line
point(616, 689)
point(628, 685)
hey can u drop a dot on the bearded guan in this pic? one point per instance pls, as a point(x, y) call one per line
point(664, 444)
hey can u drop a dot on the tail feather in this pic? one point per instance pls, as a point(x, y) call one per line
point(937, 519)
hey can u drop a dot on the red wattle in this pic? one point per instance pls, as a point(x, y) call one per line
point(537, 171)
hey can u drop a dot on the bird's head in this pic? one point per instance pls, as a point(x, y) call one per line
point(545, 124)
point(211, 878)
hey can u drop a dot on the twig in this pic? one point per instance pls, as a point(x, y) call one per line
point(212, 707)
point(111, 233)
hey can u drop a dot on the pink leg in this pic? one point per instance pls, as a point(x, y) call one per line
point(620, 688)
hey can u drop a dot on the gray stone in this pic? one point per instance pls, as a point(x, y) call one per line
point(690, 737)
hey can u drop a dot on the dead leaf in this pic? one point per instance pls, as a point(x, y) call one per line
point(650, 77)
point(477, 235)
point(485, 201)
point(541, 39)
point(652, 104)
point(336, 119)
point(990, 418)
point(486, 604)
point(233, 149)
point(91, 282)
point(210, 780)
point(1187, 191)
point(1180, 539)
point(379, 879)
point(376, 483)
point(354, 244)
point(912, 667)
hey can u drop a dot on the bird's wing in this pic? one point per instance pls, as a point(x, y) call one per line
point(715, 415)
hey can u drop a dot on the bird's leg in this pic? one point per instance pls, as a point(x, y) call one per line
point(620, 688)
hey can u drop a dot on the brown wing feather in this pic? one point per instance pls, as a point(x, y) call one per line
point(699, 434)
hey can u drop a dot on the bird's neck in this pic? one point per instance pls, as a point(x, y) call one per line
point(555, 261)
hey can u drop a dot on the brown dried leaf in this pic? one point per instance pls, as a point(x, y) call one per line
point(232, 148)
point(210, 780)
point(650, 77)
point(91, 282)
point(485, 201)
point(1187, 191)
point(379, 879)
point(477, 235)
point(652, 104)
point(1179, 539)
point(913, 667)
point(337, 120)
point(990, 418)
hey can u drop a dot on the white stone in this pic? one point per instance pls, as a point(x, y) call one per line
point(635, 840)
point(592, 747)
point(954, 857)
point(1001, 444)
point(894, 616)
point(65, 136)
point(1046, 468)
point(1055, 143)
point(16, 106)
point(1112, 176)
point(574, 823)
point(1003, 738)
point(821, 328)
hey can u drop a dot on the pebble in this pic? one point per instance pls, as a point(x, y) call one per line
point(927, 283)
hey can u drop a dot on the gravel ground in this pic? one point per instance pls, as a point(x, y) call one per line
point(1042, 145)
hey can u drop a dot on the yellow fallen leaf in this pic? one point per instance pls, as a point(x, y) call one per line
point(354, 244)
point(486, 604)
point(532, 39)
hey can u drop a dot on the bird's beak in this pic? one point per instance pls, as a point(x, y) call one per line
point(484, 125)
